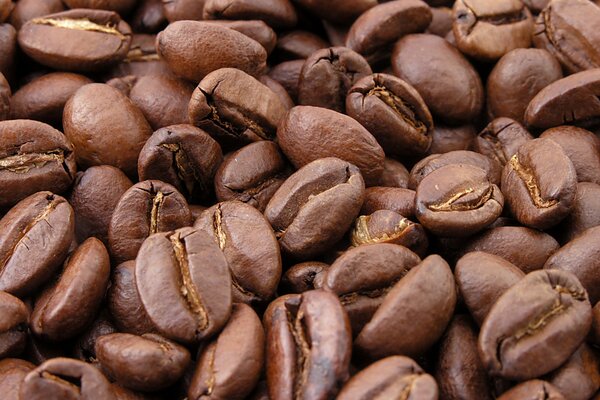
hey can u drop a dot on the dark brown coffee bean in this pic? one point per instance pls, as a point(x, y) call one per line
point(276, 13)
point(422, 70)
point(362, 277)
point(459, 371)
point(345, 11)
point(148, 17)
point(434, 162)
point(457, 200)
point(14, 317)
point(250, 247)
point(142, 59)
point(487, 30)
point(413, 315)
point(189, 47)
point(145, 208)
point(34, 238)
point(94, 197)
point(525, 72)
point(76, 40)
point(539, 183)
point(570, 100)
point(536, 5)
point(121, 6)
point(229, 367)
point(5, 98)
point(184, 283)
point(583, 149)
point(66, 378)
point(305, 276)
point(315, 206)
point(378, 28)
point(526, 248)
point(84, 348)
point(441, 21)
point(309, 133)
point(585, 213)
point(308, 346)
point(252, 174)
point(535, 325)
point(288, 75)
point(8, 49)
point(445, 139)
point(564, 28)
point(33, 157)
point(392, 377)
point(254, 29)
point(146, 363)
point(386, 226)
point(64, 309)
point(501, 139)
point(482, 278)
point(394, 174)
point(533, 390)
point(12, 374)
point(98, 119)
point(183, 156)
point(299, 45)
point(177, 10)
point(398, 200)
point(327, 76)
point(279, 90)
point(219, 106)
point(25, 10)
point(579, 377)
point(393, 111)
point(38, 351)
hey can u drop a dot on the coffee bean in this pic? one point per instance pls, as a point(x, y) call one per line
point(84, 348)
point(398, 200)
point(121, 6)
point(445, 139)
point(254, 29)
point(305, 276)
point(6, 7)
point(14, 317)
point(149, 17)
point(142, 59)
point(177, 10)
point(8, 48)
point(535, 325)
point(33, 157)
point(276, 13)
point(308, 346)
point(392, 377)
point(184, 284)
point(315, 206)
point(580, 375)
point(76, 40)
point(12, 374)
point(231, 364)
point(346, 11)
point(533, 390)
point(394, 174)
point(28, 9)
point(288, 75)
point(298, 45)
point(441, 21)
point(279, 90)
point(585, 213)
point(34, 238)
point(501, 139)
point(5, 98)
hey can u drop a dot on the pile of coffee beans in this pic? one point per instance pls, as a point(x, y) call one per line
point(300, 199)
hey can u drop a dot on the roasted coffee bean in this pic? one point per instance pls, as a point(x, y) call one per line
point(145, 208)
point(279, 90)
point(8, 49)
point(570, 100)
point(121, 6)
point(142, 59)
point(34, 238)
point(84, 348)
point(399, 200)
point(579, 377)
point(66, 308)
point(481, 279)
point(308, 346)
point(445, 139)
point(583, 149)
point(585, 213)
point(298, 45)
point(386, 226)
point(254, 29)
point(25, 10)
point(309, 133)
point(315, 206)
point(149, 17)
point(66, 378)
point(393, 111)
point(305, 276)
point(394, 174)
point(229, 367)
point(99, 119)
point(44, 98)
point(535, 325)
point(420, 60)
point(33, 157)
point(459, 372)
point(457, 200)
point(392, 377)
point(183, 156)
point(220, 106)
point(177, 10)
point(362, 277)
point(525, 72)
point(94, 197)
point(327, 76)
point(6, 7)
point(441, 21)
point(434, 162)
point(501, 139)
point(413, 315)
point(288, 75)
point(564, 28)
point(533, 390)
point(184, 283)
point(378, 28)
point(526, 248)
point(250, 247)
point(5, 98)
point(146, 363)
point(124, 302)
point(190, 48)
point(252, 174)
point(12, 374)
point(14, 317)
point(345, 11)
point(276, 13)
point(539, 183)
point(76, 40)
point(487, 30)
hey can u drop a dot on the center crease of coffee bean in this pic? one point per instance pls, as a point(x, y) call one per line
point(137, 54)
point(362, 235)
point(82, 24)
point(449, 205)
point(181, 164)
point(297, 328)
point(528, 178)
point(157, 202)
point(351, 298)
point(23, 163)
point(63, 380)
point(401, 107)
